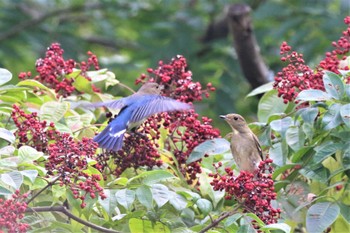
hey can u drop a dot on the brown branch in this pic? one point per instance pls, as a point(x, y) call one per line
point(43, 189)
point(65, 211)
point(25, 25)
point(246, 46)
point(219, 219)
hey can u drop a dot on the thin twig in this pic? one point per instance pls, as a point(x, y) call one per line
point(219, 219)
point(43, 189)
point(65, 211)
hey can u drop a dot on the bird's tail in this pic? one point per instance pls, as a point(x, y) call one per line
point(110, 141)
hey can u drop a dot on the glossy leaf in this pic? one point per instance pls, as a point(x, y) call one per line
point(125, 197)
point(144, 195)
point(281, 125)
point(295, 138)
point(262, 89)
point(204, 206)
point(13, 179)
point(270, 104)
point(5, 76)
point(313, 95)
point(150, 177)
point(7, 135)
point(332, 117)
point(53, 111)
point(345, 114)
point(321, 215)
point(333, 84)
point(209, 147)
point(161, 194)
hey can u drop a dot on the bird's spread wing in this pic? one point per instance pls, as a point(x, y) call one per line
point(114, 104)
point(157, 104)
point(257, 144)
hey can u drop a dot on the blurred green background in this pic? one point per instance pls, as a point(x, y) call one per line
point(130, 36)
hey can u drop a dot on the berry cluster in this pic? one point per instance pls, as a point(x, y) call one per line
point(177, 81)
point(185, 129)
point(253, 191)
point(186, 132)
point(68, 159)
point(31, 131)
point(297, 76)
point(138, 151)
point(53, 70)
point(11, 211)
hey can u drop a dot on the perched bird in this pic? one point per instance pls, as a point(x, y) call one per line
point(245, 146)
point(134, 109)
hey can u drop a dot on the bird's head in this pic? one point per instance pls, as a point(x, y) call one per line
point(236, 122)
point(150, 88)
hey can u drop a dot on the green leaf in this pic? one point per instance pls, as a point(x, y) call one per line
point(347, 89)
point(13, 179)
point(7, 135)
point(125, 197)
point(4, 191)
point(204, 206)
point(144, 195)
point(177, 201)
point(53, 111)
point(309, 115)
point(31, 174)
point(281, 125)
point(298, 155)
point(187, 214)
point(295, 138)
point(345, 211)
point(280, 170)
point(277, 226)
point(146, 226)
point(270, 104)
point(332, 117)
point(82, 84)
point(33, 83)
point(232, 219)
point(278, 153)
point(110, 202)
point(325, 150)
point(28, 154)
point(313, 95)
point(5, 76)
point(150, 177)
point(321, 215)
point(345, 114)
point(209, 147)
point(333, 84)
point(262, 89)
point(160, 194)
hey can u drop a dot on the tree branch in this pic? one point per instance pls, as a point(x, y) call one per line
point(42, 190)
point(219, 219)
point(246, 46)
point(65, 211)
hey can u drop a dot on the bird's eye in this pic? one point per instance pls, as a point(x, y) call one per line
point(235, 118)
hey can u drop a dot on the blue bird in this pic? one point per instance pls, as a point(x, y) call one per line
point(134, 109)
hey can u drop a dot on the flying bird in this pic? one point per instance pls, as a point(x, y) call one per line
point(245, 146)
point(134, 109)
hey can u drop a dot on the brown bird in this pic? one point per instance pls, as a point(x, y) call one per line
point(245, 146)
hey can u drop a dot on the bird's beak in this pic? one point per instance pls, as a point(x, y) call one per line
point(222, 116)
point(161, 87)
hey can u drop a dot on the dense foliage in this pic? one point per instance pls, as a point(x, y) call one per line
point(176, 174)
